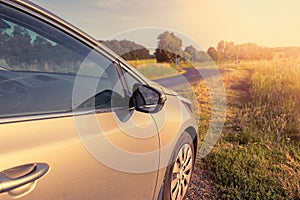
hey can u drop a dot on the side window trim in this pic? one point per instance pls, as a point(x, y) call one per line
point(123, 79)
point(128, 73)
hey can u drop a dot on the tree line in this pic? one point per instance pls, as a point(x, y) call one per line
point(19, 47)
point(230, 51)
point(129, 50)
point(170, 47)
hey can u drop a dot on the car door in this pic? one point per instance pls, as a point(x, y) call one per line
point(67, 128)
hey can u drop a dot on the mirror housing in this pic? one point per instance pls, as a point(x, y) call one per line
point(147, 99)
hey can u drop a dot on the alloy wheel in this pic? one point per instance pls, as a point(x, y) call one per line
point(182, 171)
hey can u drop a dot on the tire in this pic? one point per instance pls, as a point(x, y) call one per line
point(179, 172)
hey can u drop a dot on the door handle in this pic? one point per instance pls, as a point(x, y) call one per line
point(18, 176)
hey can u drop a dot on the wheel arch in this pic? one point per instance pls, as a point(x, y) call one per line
point(194, 135)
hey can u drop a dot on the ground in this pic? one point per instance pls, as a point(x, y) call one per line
point(201, 186)
point(237, 93)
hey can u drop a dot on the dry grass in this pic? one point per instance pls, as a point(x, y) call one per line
point(258, 155)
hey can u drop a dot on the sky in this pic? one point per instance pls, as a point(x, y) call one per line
point(269, 23)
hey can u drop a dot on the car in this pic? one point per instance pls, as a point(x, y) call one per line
point(78, 122)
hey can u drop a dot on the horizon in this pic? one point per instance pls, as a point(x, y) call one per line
point(183, 46)
point(270, 23)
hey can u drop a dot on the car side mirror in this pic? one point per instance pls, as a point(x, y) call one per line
point(147, 99)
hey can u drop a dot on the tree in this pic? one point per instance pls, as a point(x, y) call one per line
point(127, 49)
point(169, 47)
point(248, 51)
point(230, 53)
point(203, 56)
point(213, 53)
point(4, 38)
point(196, 56)
point(221, 50)
point(19, 44)
point(42, 50)
point(192, 52)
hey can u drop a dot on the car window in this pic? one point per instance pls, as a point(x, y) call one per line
point(130, 80)
point(39, 66)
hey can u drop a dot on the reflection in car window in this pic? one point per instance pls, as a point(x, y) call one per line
point(39, 65)
point(24, 49)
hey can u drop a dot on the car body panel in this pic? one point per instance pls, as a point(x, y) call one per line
point(74, 172)
point(66, 141)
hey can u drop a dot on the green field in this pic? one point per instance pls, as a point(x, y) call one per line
point(153, 70)
point(258, 155)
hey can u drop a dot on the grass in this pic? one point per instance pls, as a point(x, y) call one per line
point(258, 155)
point(137, 63)
point(153, 70)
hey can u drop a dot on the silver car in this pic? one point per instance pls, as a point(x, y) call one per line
point(77, 122)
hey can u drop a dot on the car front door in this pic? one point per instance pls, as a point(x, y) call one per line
point(67, 128)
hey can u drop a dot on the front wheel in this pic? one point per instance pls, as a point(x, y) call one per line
point(179, 172)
